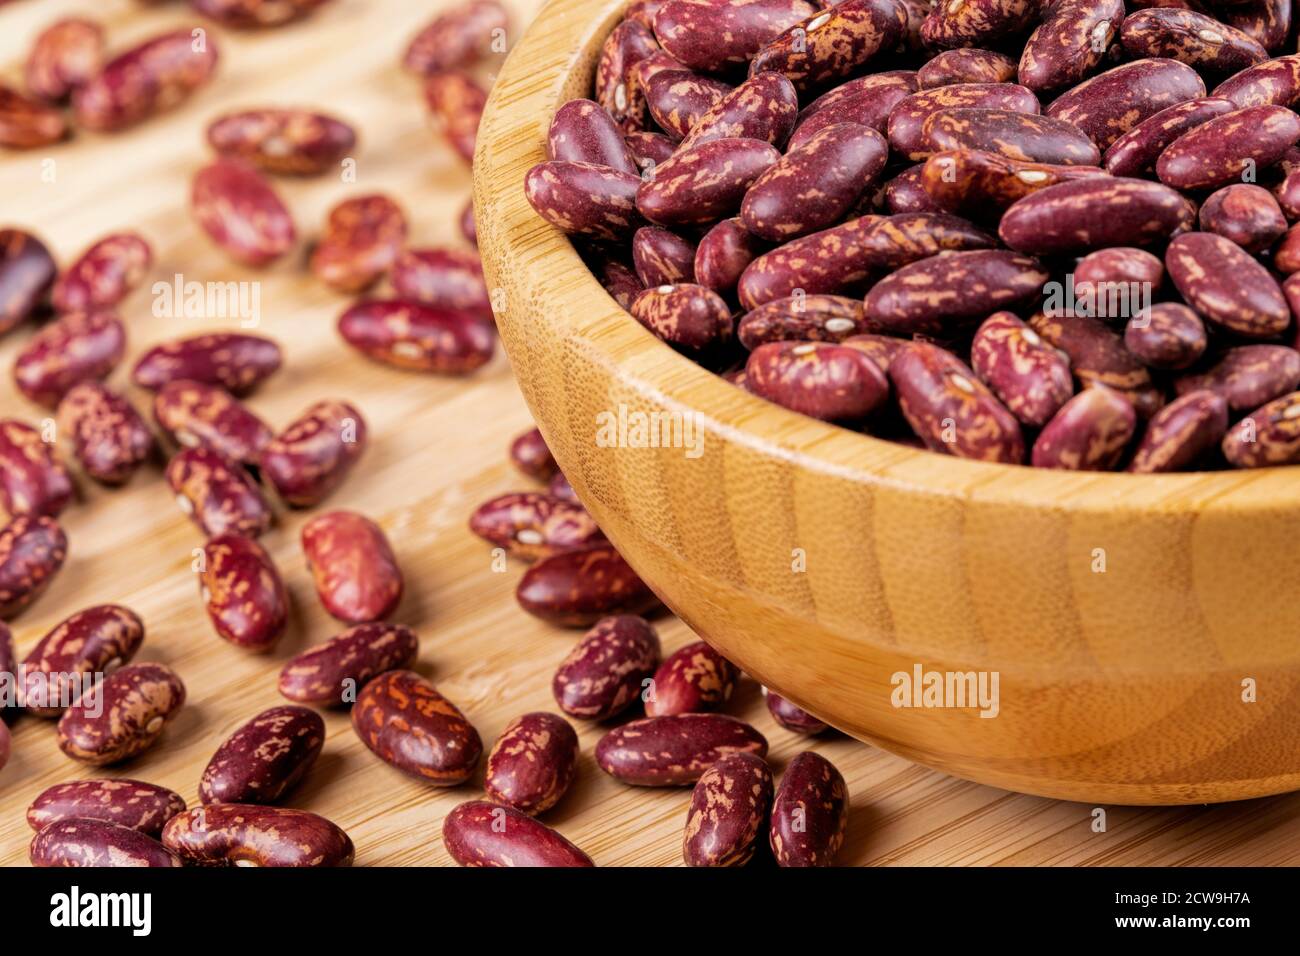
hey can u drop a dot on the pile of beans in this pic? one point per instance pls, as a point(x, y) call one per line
point(921, 222)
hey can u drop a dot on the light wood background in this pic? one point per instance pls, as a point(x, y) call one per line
point(438, 448)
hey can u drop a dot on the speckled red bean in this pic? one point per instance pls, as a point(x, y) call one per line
point(1073, 218)
point(250, 14)
point(703, 183)
point(532, 763)
point(958, 23)
point(1168, 335)
point(79, 347)
point(420, 338)
point(456, 102)
point(64, 56)
point(584, 198)
point(649, 149)
point(710, 36)
point(403, 719)
point(265, 758)
point(363, 238)
point(104, 274)
point(1275, 81)
point(1221, 150)
point(32, 550)
point(966, 66)
point(1193, 38)
point(1136, 151)
point(236, 361)
point(331, 674)
point(27, 271)
point(32, 479)
point(94, 641)
point(240, 211)
point(307, 461)
point(1019, 136)
point(810, 813)
point(1089, 433)
point(729, 807)
point(1181, 433)
point(238, 834)
point(125, 717)
point(686, 315)
point(908, 118)
point(442, 278)
point(1069, 43)
point(812, 187)
point(792, 717)
point(1030, 377)
point(198, 415)
point(288, 142)
point(662, 257)
point(676, 750)
point(1226, 286)
point(723, 254)
point(1247, 376)
point(981, 186)
point(1270, 435)
point(820, 379)
point(804, 318)
point(950, 409)
point(905, 193)
point(950, 291)
point(578, 588)
point(143, 807)
point(108, 436)
point(356, 574)
point(147, 79)
point(763, 108)
point(456, 37)
point(616, 278)
point(1119, 264)
point(582, 132)
point(1108, 105)
point(217, 494)
point(531, 525)
point(480, 833)
point(867, 101)
point(607, 670)
point(693, 679)
point(678, 99)
point(616, 87)
point(1244, 213)
point(99, 843)
point(243, 593)
point(834, 43)
point(530, 455)
point(1098, 357)
point(1286, 254)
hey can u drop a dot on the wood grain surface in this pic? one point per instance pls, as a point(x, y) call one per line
point(437, 449)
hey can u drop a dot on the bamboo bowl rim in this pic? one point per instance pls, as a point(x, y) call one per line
point(552, 63)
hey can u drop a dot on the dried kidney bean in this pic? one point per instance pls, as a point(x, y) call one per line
point(32, 550)
point(1181, 433)
point(330, 674)
point(729, 806)
point(810, 812)
point(692, 679)
point(532, 763)
point(480, 833)
point(1030, 377)
point(27, 271)
point(403, 719)
point(289, 142)
point(32, 479)
point(236, 361)
point(81, 842)
point(123, 716)
point(87, 645)
point(240, 211)
point(792, 717)
point(408, 335)
point(456, 101)
point(608, 669)
point(307, 461)
point(147, 79)
point(238, 834)
point(578, 588)
point(675, 750)
point(363, 238)
point(532, 525)
point(196, 415)
point(457, 37)
point(26, 123)
point(108, 436)
point(243, 593)
point(64, 56)
point(249, 14)
point(140, 806)
point(217, 494)
point(265, 758)
point(821, 379)
point(104, 274)
point(1089, 433)
point(1247, 376)
point(353, 566)
point(78, 347)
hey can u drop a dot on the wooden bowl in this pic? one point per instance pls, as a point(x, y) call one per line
point(1144, 630)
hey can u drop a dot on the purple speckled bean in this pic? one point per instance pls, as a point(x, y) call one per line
point(907, 119)
point(792, 717)
point(662, 257)
point(1275, 82)
point(582, 132)
point(1098, 357)
point(810, 813)
point(729, 807)
point(532, 763)
point(1247, 376)
point(1226, 286)
point(125, 717)
point(981, 186)
point(704, 183)
point(1181, 433)
point(804, 318)
point(764, 107)
point(678, 99)
point(198, 415)
point(1168, 336)
point(674, 751)
point(834, 43)
point(97, 640)
point(79, 347)
point(584, 198)
point(1244, 213)
point(867, 101)
point(820, 379)
point(693, 679)
point(723, 254)
point(480, 833)
point(685, 315)
point(242, 834)
point(1108, 105)
point(1220, 150)
point(1270, 435)
point(604, 673)
point(217, 494)
point(140, 806)
point(330, 674)
point(403, 719)
point(1070, 43)
point(1029, 376)
point(88, 842)
point(1089, 433)
point(959, 23)
point(710, 36)
point(1093, 213)
point(1020, 136)
point(265, 758)
point(1136, 151)
point(966, 66)
point(531, 525)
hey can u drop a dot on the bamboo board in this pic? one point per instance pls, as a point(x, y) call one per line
point(438, 448)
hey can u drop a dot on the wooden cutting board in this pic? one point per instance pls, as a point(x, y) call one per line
point(438, 448)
